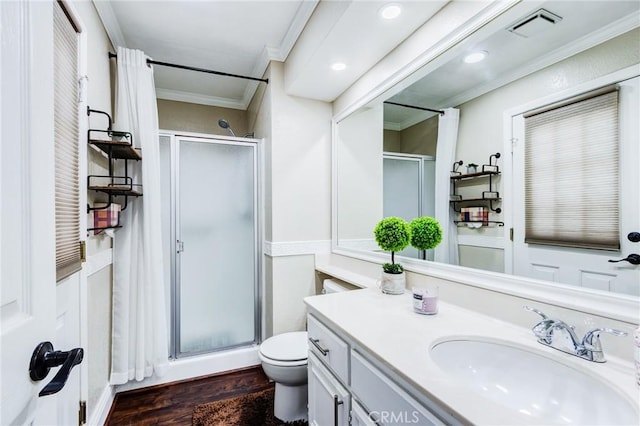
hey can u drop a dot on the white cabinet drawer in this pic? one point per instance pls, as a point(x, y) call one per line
point(329, 348)
point(386, 402)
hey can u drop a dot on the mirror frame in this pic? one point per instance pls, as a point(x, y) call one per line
point(610, 305)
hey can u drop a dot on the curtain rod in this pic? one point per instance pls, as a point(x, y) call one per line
point(184, 67)
point(415, 107)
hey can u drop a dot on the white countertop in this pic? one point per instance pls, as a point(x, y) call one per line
point(388, 328)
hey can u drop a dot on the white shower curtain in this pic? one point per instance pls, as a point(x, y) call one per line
point(447, 251)
point(139, 337)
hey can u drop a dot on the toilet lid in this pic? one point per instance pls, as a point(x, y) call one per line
point(286, 346)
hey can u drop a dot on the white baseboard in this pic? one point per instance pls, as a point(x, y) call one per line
point(101, 411)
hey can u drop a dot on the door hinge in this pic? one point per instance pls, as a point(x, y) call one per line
point(83, 251)
point(511, 234)
point(82, 413)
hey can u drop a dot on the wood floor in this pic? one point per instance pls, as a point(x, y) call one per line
point(173, 403)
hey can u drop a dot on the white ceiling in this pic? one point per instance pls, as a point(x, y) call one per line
point(583, 25)
point(241, 37)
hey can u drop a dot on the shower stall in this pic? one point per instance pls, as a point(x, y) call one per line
point(408, 189)
point(211, 229)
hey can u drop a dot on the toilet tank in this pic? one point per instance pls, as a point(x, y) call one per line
point(331, 285)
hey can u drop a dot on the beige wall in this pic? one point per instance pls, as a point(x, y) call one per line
point(481, 120)
point(421, 138)
point(98, 302)
point(187, 117)
point(297, 188)
point(391, 141)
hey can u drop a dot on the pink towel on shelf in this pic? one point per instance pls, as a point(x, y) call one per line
point(104, 217)
point(474, 214)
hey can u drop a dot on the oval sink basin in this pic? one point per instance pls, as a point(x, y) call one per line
point(533, 384)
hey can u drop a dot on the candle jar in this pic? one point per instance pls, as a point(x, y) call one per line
point(425, 300)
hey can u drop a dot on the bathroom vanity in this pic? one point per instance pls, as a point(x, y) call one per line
point(371, 361)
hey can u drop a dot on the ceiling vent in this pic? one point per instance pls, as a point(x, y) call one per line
point(535, 23)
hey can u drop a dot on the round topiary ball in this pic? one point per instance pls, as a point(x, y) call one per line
point(426, 233)
point(392, 234)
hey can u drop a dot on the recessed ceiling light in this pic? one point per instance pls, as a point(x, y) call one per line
point(474, 57)
point(390, 11)
point(338, 66)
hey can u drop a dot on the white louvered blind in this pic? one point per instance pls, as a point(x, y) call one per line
point(571, 173)
point(66, 130)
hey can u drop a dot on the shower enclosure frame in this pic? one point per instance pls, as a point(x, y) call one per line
point(420, 161)
point(175, 242)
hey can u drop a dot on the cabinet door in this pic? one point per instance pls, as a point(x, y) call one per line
point(329, 401)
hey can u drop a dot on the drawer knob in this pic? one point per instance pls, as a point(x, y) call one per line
point(316, 343)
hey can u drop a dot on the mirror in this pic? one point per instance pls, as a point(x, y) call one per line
point(524, 64)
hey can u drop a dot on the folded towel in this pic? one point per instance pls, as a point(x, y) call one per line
point(104, 217)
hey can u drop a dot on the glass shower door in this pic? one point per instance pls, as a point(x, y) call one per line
point(401, 191)
point(216, 245)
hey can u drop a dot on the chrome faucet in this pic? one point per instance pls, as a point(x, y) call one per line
point(561, 336)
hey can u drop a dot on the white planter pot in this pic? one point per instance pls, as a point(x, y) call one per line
point(393, 283)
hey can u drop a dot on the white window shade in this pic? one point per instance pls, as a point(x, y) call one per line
point(572, 173)
point(67, 198)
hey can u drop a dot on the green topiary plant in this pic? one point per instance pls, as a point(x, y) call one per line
point(392, 234)
point(426, 233)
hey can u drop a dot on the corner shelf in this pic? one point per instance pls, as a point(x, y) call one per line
point(117, 145)
point(487, 198)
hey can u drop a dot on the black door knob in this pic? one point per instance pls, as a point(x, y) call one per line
point(633, 259)
point(44, 358)
point(634, 237)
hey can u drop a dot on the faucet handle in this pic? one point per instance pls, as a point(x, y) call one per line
point(591, 342)
point(542, 314)
point(544, 329)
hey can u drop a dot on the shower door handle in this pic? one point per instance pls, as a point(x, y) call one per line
point(179, 246)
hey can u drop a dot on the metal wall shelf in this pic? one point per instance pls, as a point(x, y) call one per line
point(117, 145)
point(488, 198)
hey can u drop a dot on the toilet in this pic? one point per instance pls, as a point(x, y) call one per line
point(284, 360)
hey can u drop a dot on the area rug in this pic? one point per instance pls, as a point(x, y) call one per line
point(254, 409)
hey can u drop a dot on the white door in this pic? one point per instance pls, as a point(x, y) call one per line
point(27, 214)
point(583, 267)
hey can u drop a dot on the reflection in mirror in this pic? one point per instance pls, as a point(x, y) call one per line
point(592, 44)
point(408, 182)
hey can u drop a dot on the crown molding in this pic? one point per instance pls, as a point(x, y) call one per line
point(197, 98)
point(110, 23)
point(304, 12)
point(280, 54)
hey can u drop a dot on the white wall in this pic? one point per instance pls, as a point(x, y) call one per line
point(298, 196)
point(480, 131)
point(98, 302)
point(359, 141)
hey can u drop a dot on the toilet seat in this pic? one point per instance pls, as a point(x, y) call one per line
point(287, 349)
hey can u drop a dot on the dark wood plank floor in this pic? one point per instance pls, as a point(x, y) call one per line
point(173, 403)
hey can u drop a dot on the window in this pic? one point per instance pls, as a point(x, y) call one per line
point(66, 129)
point(572, 172)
